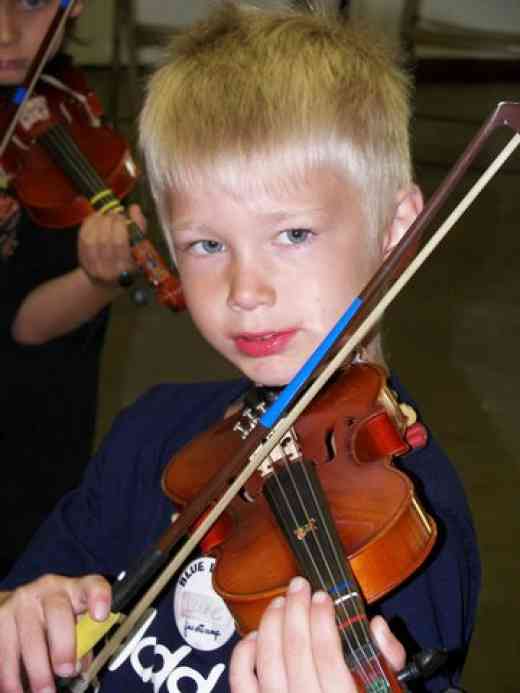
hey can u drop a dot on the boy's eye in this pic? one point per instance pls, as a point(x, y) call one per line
point(33, 4)
point(206, 247)
point(295, 236)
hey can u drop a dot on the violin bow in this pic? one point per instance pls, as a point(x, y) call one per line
point(24, 91)
point(336, 350)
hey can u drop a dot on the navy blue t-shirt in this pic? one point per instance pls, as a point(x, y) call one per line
point(185, 641)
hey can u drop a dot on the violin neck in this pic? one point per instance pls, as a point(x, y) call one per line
point(64, 151)
point(295, 496)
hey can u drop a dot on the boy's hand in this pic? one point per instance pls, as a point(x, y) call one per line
point(103, 246)
point(37, 629)
point(297, 648)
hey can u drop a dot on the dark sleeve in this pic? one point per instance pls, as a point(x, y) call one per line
point(436, 607)
point(96, 527)
point(119, 509)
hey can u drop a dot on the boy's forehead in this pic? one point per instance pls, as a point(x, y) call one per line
point(313, 193)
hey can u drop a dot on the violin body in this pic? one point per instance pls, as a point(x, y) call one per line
point(384, 532)
point(51, 198)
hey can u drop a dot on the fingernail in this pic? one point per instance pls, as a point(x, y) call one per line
point(100, 611)
point(320, 597)
point(66, 669)
point(252, 635)
point(277, 603)
point(296, 584)
point(379, 625)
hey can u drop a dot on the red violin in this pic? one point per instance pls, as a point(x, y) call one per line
point(327, 504)
point(64, 162)
point(62, 155)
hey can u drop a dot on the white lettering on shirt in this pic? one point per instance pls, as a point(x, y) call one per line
point(168, 671)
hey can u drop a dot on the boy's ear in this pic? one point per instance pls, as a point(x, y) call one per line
point(408, 204)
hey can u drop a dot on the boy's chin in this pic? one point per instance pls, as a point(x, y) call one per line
point(269, 372)
point(271, 379)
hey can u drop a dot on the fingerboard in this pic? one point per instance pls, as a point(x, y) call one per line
point(297, 500)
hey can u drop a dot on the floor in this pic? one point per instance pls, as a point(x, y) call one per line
point(453, 336)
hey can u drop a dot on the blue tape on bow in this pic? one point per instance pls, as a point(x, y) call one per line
point(286, 396)
point(19, 95)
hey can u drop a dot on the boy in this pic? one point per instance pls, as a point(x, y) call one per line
point(277, 147)
point(56, 287)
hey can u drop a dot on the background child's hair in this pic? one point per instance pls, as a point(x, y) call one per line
point(254, 97)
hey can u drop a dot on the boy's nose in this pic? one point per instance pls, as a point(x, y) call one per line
point(9, 30)
point(250, 288)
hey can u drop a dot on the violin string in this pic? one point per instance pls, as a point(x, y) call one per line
point(339, 564)
point(74, 164)
point(76, 159)
point(76, 156)
point(58, 140)
point(320, 578)
point(53, 144)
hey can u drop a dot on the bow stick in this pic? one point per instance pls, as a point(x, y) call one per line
point(336, 350)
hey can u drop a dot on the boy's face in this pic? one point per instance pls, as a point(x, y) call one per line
point(23, 24)
point(266, 277)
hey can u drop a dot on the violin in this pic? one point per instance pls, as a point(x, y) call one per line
point(341, 447)
point(64, 162)
point(327, 504)
point(61, 154)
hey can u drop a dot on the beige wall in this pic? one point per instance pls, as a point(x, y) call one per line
point(95, 29)
point(96, 23)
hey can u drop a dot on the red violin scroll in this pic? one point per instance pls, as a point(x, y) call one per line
point(327, 504)
point(64, 163)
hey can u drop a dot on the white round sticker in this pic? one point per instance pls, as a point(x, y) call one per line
point(202, 617)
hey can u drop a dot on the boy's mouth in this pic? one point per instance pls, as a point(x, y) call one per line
point(261, 344)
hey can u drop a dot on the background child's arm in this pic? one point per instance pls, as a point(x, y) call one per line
point(61, 305)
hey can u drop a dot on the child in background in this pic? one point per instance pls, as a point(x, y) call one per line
point(56, 286)
point(277, 147)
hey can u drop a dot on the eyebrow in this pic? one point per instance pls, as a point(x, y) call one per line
point(276, 216)
point(283, 214)
point(189, 226)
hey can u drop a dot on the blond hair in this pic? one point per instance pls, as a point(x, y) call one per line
point(256, 97)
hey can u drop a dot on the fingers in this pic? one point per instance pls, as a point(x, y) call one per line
point(328, 654)
point(103, 245)
point(270, 653)
point(389, 645)
point(297, 637)
point(10, 673)
point(242, 676)
point(37, 628)
point(297, 648)
point(135, 214)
